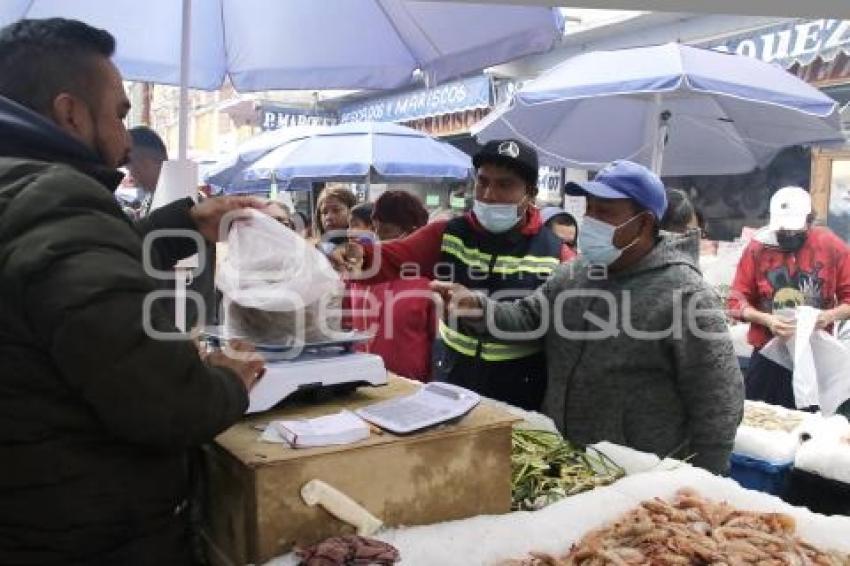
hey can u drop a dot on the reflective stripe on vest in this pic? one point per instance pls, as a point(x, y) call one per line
point(529, 264)
point(505, 265)
point(490, 351)
point(453, 245)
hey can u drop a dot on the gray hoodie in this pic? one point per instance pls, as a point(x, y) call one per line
point(673, 391)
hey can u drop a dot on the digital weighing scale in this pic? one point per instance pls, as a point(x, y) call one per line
point(326, 365)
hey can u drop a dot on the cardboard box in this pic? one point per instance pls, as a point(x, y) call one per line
point(254, 510)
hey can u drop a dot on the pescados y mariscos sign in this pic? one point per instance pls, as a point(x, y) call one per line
point(454, 96)
point(788, 43)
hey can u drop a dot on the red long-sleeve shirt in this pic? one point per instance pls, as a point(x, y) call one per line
point(418, 253)
point(402, 315)
point(817, 275)
point(400, 296)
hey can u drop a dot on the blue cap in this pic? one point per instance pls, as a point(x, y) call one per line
point(625, 179)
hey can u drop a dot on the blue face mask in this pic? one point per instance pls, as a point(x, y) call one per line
point(596, 241)
point(496, 218)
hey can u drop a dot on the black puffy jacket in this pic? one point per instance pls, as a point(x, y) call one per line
point(95, 416)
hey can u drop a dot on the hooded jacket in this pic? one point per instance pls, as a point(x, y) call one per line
point(95, 415)
point(629, 356)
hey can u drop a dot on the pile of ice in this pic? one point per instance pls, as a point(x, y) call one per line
point(488, 540)
point(825, 448)
point(777, 447)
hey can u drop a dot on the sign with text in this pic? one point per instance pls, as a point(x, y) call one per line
point(273, 117)
point(788, 43)
point(448, 98)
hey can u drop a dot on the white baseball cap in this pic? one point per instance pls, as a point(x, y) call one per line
point(789, 209)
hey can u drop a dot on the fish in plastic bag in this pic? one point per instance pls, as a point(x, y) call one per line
point(278, 289)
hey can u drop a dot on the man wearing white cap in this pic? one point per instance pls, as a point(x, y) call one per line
point(789, 263)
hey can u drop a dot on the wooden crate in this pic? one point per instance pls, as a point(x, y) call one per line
point(254, 508)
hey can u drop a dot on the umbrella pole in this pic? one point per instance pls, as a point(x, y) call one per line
point(660, 141)
point(314, 218)
point(273, 189)
point(369, 184)
point(181, 272)
point(185, 45)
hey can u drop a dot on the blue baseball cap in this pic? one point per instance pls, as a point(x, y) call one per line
point(625, 179)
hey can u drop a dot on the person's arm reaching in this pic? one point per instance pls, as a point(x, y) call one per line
point(79, 280)
point(485, 316)
point(172, 216)
point(413, 256)
point(203, 218)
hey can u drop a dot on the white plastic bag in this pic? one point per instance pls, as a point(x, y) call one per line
point(278, 289)
point(818, 360)
point(268, 264)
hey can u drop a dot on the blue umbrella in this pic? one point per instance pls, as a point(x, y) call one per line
point(306, 44)
point(363, 152)
point(227, 173)
point(302, 44)
point(679, 109)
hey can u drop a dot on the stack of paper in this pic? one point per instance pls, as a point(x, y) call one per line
point(342, 428)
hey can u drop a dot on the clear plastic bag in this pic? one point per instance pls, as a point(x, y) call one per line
point(278, 289)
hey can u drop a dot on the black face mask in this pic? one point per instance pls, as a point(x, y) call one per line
point(790, 241)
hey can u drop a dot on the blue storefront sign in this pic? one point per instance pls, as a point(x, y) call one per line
point(800, 41)
point(273, 117)
point(448, 98)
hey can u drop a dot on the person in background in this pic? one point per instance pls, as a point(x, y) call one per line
point(302, 224)
point(147, 153)
point(96, 415)
point(501, 246)
point(638, 349)
point(333, 210)
point(361, 217)
point(788, 264)
point(701, 223)
point(279, 212)
point(562, 225)
point(681, 219)
point(680, 216)
point(401, 311)
point(442, 215)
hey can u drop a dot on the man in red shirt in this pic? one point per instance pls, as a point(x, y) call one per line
point(789, 263)
point(500, 248)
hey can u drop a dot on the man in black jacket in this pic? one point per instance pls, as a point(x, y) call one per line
point(95, 415)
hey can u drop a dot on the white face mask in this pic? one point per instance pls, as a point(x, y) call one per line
point(496, 218)
point(596, 241)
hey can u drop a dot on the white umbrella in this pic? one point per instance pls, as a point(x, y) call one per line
point(678, 109)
